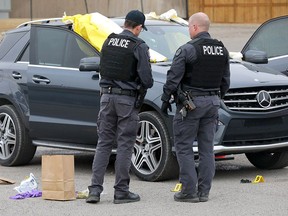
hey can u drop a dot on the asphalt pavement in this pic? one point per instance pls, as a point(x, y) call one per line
point(228, 195)
point(234, 36)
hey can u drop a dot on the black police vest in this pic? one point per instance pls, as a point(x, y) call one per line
point(117, 58)
point(208, 70)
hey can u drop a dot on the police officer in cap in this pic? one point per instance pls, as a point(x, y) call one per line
point(200, 72)
point(125, 70)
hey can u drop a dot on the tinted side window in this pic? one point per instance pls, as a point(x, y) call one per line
point(51, 47)
point(58, 47)
point(76, 49)
point(25, 55)
point(9, 41)
point(271, 38)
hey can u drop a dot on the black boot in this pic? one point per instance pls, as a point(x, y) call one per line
point(183, 197)
point(93, 197)
point(126, 198)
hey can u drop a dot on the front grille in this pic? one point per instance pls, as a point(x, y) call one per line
point(253, 131)
point(258, 99)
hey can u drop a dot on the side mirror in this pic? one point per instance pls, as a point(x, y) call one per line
point(255, 56)
point(90, 64)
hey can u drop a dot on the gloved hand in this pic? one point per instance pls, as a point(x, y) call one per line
point(165, 106)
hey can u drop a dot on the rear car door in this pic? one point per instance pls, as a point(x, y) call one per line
point(271, 37)
point(64, 102)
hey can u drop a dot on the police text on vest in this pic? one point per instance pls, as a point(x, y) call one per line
point(119, 42)
point(213, 50)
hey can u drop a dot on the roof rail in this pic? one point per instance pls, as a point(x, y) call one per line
point(40, 21)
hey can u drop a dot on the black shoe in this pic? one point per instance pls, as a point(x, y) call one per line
point(203, 197)
point(182, 197)
point(93, 198)
point(126, 198)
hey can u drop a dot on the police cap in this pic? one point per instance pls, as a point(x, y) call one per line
point(137, 17)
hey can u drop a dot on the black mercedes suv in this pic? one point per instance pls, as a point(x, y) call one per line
point(45, 100)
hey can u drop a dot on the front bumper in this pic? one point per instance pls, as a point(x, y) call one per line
point(240, 132)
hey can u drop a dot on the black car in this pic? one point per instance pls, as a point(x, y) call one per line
point(45, 100)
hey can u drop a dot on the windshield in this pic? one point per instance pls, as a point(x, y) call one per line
point(165, 39)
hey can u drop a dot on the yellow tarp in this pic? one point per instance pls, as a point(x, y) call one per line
point(95, 28)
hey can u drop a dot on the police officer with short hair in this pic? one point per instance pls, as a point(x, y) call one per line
point(200, 71)
point(124, 68)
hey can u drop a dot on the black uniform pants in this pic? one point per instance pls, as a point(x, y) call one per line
point(201, 124)
point(117, 123)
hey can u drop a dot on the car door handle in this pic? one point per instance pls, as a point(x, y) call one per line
point(16, 75)
point(40, 79)
point(95, 76)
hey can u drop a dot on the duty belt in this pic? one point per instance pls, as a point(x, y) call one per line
point(203, 93)
point(119, 91)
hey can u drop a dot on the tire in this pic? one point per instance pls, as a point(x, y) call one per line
point(268, 160)
point(15, 145)
point(152, 158)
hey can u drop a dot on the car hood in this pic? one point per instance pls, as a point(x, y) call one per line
point(243, 74)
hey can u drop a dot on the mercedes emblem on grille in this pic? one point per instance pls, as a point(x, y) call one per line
point(264, 99)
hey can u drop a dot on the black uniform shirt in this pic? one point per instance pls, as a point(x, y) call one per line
point(143, 68)
point(187, 54)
